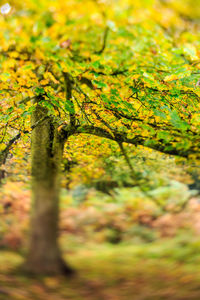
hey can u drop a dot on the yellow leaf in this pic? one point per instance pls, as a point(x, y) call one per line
point(171, 77)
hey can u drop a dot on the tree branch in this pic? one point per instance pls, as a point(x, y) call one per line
point(154, 143)
point(68, 89)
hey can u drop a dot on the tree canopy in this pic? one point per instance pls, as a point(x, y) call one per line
point(114, 69)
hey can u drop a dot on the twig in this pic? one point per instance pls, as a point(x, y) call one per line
point(126, 156)
point(105, 37)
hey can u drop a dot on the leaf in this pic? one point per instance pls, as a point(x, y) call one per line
point(4, 76)
point(69, 106)
point(39, 91)
point(100, 84)
point(171, 78)
point(177, 122)
point(164, 135)
point(159, 113)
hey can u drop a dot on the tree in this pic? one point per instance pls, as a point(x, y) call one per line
point(131, 81)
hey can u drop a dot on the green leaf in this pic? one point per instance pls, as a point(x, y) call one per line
point(39, 91)
point(159, 113)
point(164, 135)
point(177, 122)
point(100, 84)
point(69, 106)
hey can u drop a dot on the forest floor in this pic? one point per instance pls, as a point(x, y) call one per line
point(110, 272)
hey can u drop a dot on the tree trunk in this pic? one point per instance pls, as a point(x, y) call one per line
point(44, 255)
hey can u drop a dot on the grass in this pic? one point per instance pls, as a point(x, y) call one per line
point(111, 272)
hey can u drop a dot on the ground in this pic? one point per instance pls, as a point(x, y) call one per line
point(107, 272)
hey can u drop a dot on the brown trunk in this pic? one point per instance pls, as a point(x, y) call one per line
point(47, 149)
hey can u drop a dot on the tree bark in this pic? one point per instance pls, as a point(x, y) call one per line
point(44, 256)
